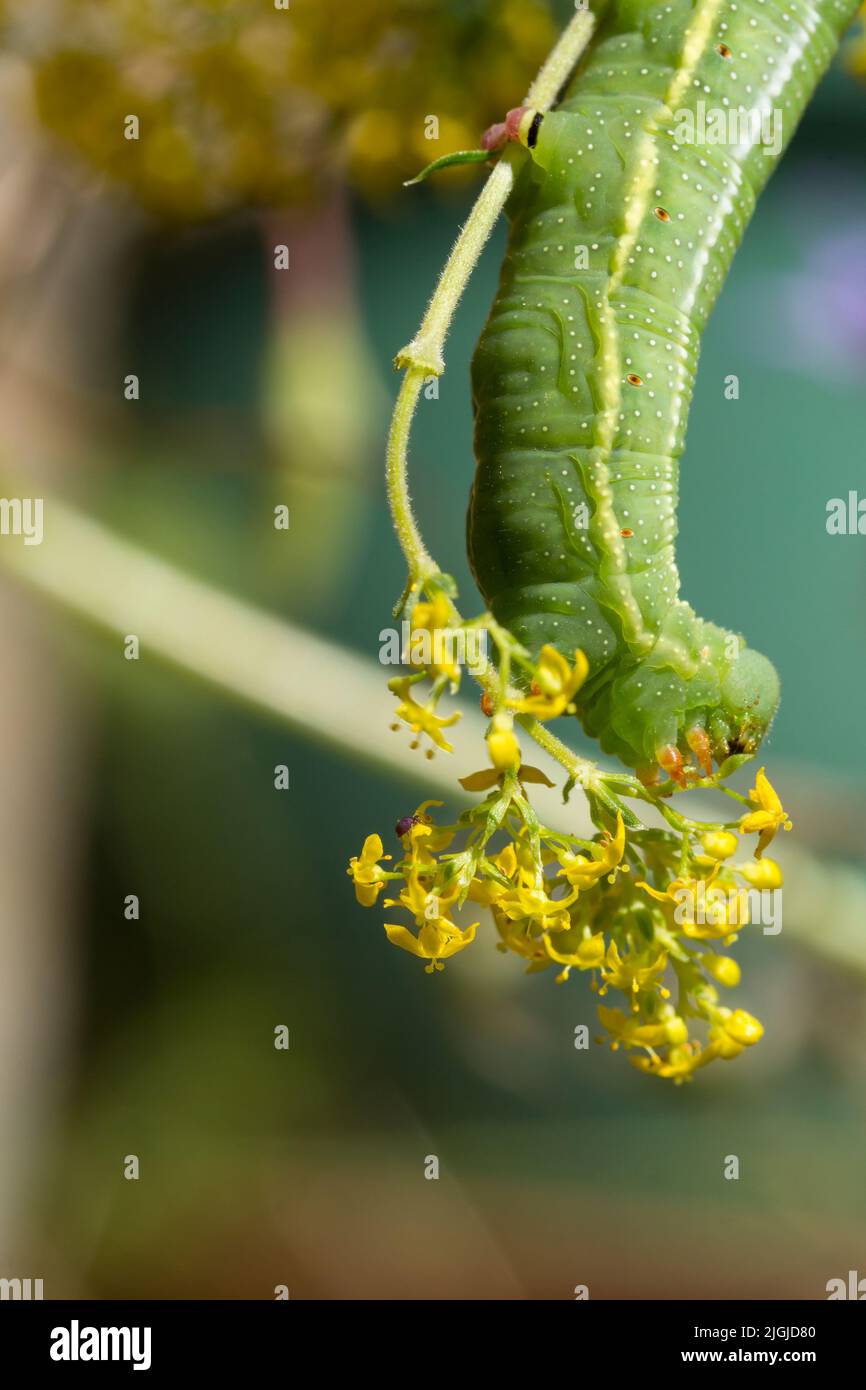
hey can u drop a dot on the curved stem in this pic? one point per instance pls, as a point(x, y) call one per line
point(418, 558)
point(425, 352)
point(424, 357)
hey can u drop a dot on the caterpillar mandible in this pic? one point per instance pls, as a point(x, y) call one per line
point(582, 378)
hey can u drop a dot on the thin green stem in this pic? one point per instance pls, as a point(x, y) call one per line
point(425, 353)
point(584, 772)
point(418, 558)
point(423, 357)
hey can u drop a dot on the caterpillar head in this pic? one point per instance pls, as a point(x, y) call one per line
point(682, 705)
point(734, 722)
point(749, 700)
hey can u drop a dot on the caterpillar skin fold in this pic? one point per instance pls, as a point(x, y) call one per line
point(584, 372)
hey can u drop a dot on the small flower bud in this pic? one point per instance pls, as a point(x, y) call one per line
point(722, 968)
point(762, 873)
point(723, 1045)
point(502, 745)
point(676, 1031)
point(719, 844)
point(744, 1028)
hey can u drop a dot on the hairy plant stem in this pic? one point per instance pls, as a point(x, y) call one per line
point(424, 357)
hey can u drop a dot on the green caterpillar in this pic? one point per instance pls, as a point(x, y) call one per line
point(584, 372)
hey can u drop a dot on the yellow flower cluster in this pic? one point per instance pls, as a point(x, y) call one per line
point(648, 913)
point(641, 912)
point(241, 101)
point(552, 683)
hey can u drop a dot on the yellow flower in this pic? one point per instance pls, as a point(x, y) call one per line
point(582, 872)
point(721, 918)
point(632, 1033)
point(436, 940)
point(488, 891)
point(364, 869)
point(743, 1027)
point(432, 618)
point(638, 970)
point(530, 906)
point(485, 891)
point(502, 746)
point(518, 937)
point(504, 752)
point(677, 1066)
point(424, 905)
point(765, 873)
point(676, 887)
point(555, 685)
point(420, 719)
point(719, 844)
point(588, 956)
point(438, 937)
point(424, 841)
point(768, 818)
point(720, 909)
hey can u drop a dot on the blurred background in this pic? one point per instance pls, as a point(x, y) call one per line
point(259, 388)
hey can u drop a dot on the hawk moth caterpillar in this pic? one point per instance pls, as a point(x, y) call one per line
point(583, 377)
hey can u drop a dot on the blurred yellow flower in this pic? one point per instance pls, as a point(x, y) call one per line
point(855, 53)
point(632, 1033)
point(678, 1066)
point(240, 103)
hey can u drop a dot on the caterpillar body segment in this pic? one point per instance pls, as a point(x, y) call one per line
point(622, 232)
